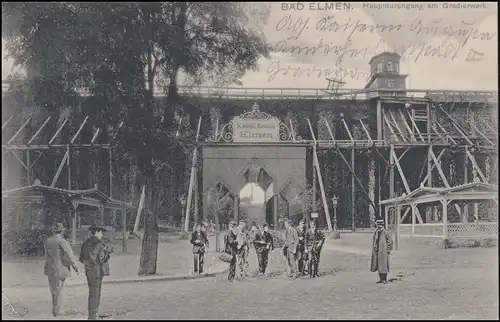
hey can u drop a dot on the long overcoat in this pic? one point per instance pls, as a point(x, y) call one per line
point(381, 249)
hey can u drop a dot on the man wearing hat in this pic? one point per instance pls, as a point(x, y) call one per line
point(95, 255)
point(230, 247)
point(291, 243)
point(314, 243)
point(381, 249)
point(242, 247)
point(59, 259)
point(199, 241)
point(301, 255)
point(263, 243)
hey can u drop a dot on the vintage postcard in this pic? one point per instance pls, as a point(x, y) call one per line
point(249, 160)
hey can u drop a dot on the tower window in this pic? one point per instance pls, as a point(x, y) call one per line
point(389, 67)
point(379, 68)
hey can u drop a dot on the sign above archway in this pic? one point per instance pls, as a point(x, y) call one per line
point(255, 127)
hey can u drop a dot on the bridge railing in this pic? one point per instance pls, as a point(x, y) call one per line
point(253, 93)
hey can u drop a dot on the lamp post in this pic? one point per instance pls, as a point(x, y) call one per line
point(182, 201)
point(335, 201)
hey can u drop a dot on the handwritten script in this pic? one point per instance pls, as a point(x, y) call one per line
point(412, 40)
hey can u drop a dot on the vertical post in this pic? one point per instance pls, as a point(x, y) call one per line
point(69, 166)
point(465, 212)
point(314, 204)
point(110, 164)
point(236, 206)
point(101, 215)
point(190, 191)
point(73, 224)
point(445, 218)
point(398, 226)
point(413, 211)
point(430, 121)
point(379, 120)
point(196, 197)
point(275, 212)
point(204, 205)
point(124, 229)
point(28, 167)
point(386, 216)
point(353, 191)
point(430, 209)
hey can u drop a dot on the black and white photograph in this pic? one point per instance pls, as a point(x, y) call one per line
point(250, 160)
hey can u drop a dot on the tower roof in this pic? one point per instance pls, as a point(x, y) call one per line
point(385, 53)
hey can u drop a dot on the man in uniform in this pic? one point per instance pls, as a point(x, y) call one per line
point(301, 255)
point(199, 241)
point(314, 243)
point(291, 243)
point(95, 255)
point(381, 249)
point(58, 263)
point(263, 243)
point(230, 246)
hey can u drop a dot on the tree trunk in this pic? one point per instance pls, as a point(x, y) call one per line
point(149, 251)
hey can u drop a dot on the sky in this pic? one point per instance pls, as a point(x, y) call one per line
point(441, 47)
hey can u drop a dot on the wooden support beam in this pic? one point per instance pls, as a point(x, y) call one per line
point(386, 120)
point(353, 192)
point(28, 167)
point(19, 131)
point(366, 131)
point(379, 120)
point(403, 154)
point(7, 122)
point(397, 126)
point(39, 156)
point(407, 211)
point(488, 126)
point(444, 203)
point(445, 133)
point(456, 125)
point(19, 159)
point(58, 172)
point(94, 137)
point(415, 126)
point(322, 189)
point(407, 125)
point(441, 173)
point(39, 130)
point(58, 130)
point(329, 130)
point(311, 129)
point(430, 167)
point(400, 170)
point(356, 177)
point(79, 130)
point(347, 129)
point(292, 130)
point(124, 229)
point(474, 164)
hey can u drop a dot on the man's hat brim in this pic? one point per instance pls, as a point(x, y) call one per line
point(97, 228)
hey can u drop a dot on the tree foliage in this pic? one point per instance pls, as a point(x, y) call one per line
point(119, 51)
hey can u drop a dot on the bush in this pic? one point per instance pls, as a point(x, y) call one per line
point(25, 242)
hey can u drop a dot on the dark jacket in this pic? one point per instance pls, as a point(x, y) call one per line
point(314, 240)
point(95, 255)
point(230, 243)
point(381, 249)
point(263, 241)
point(199, 240)
point(302, 239)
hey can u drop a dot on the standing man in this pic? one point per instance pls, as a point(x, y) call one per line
point(263, 243)
point(382, 247)
point(199, 241)
point(230, 247)
point(301, 254)
point(242, 248)
point(59, 259)
point(291, 243)
point(94, 254)
point(314, 243)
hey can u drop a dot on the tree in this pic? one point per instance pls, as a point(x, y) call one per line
point(219, 204)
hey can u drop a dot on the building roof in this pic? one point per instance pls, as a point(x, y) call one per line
point(91, 197)
point(469, 191)
point(385, 53)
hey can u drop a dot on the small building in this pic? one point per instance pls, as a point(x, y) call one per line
point(384, 71)
point(37, 207)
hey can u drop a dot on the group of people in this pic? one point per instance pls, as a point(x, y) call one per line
point(95, 254)
point(302, 248)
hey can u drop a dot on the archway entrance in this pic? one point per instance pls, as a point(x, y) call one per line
point(255, 156)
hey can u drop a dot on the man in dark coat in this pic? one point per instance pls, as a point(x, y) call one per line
point(314, 243)
point(301, 255)
point(230, 247)
point(58, 263)
point(95, 255)
point(381, 249)
point(242, 248)
point(199, 241)
point(263, 242)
